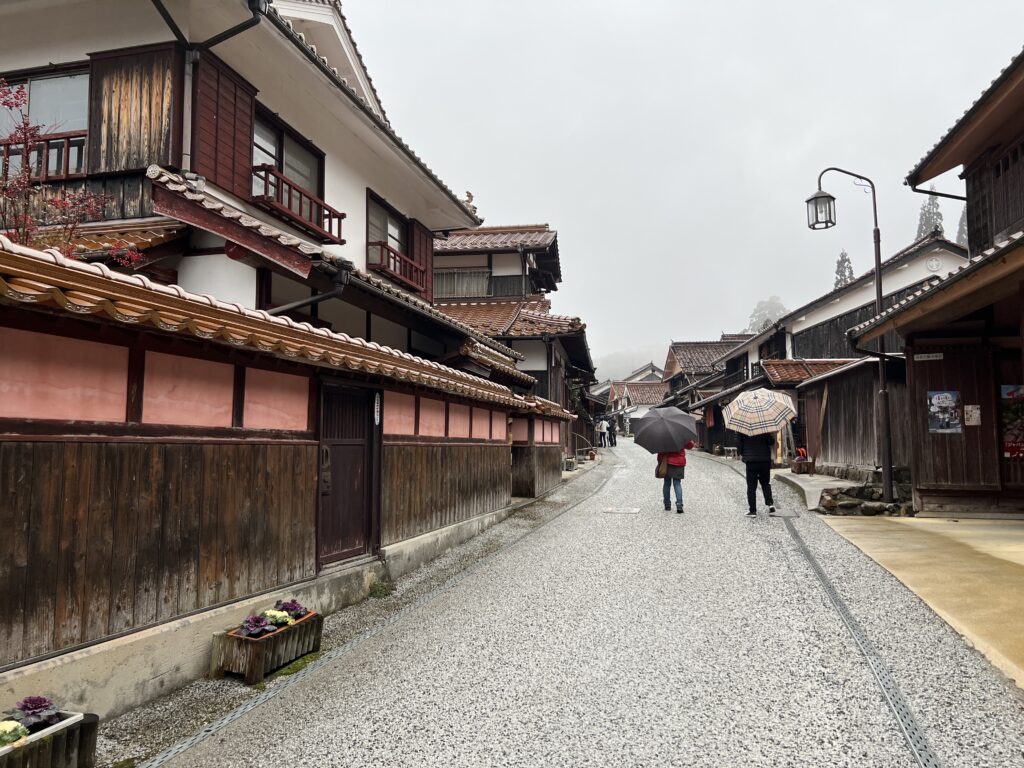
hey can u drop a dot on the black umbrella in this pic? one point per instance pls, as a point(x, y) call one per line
point(664, 430)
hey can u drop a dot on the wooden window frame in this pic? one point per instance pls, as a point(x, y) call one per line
point(23, 77)
point(282, 129)
point(373, 197)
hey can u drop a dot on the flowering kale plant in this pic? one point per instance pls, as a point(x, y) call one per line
point(11, 731)
point(278, 618)
point(35, 713)
point(256, 626)
point(292, 607)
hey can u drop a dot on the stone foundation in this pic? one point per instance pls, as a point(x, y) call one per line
point(866, 500)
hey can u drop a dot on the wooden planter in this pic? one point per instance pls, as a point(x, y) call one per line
point(802, 467)
point(71, 743)
point(255, 657)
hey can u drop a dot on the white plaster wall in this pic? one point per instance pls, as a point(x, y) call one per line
point(390, 334)
point(223, 278)
point(893, 280)
point(344, 317)
point(535, 354)
point(506, 264)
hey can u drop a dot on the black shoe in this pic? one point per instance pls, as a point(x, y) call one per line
point(751, 513)
point(668, 507)
point(771, 510)
point(679, 509)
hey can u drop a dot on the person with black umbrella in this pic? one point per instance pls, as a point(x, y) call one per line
point(672, 467)
point(668, 432)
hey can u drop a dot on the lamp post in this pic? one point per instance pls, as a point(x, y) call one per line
point(821, 214)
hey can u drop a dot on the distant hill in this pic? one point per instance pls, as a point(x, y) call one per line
point(618, 365)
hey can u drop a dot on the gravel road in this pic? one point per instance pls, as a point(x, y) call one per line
point(622, 635)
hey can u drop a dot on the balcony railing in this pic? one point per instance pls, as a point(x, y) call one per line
point(57, 156)
point(397, 266)
point(274, 191)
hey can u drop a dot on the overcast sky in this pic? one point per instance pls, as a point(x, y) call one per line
point(672, 144)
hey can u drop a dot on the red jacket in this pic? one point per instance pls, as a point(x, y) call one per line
point(677, 459)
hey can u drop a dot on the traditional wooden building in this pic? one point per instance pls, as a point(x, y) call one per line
point(267, 403)
point(496, 280)
point(630, 400)
point(962, 330)
point(806, 354)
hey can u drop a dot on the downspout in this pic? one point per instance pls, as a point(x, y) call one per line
point(913, 188)
point(341, 279)
point(256, 7)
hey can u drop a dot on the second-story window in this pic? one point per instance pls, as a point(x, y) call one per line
point(384, 226)
point(59, 104)
point(287, 178)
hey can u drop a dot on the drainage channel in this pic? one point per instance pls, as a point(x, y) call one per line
point(336, 653)
point(912, 731)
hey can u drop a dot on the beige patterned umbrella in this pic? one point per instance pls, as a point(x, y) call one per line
point(759, 411)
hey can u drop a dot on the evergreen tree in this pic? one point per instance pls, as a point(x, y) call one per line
point(765, 313)
point(961, 231)
point(931, 216)
point(844, 269)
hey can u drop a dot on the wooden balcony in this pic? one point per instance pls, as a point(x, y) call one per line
point(275, 192)
point(396, 266)
point(56, 157)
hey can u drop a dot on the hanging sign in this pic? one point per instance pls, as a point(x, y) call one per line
point(376, 409)
point(928, 356)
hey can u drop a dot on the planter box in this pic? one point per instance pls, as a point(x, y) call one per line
point(802, 467)
point(71, 743)
point(255, 657)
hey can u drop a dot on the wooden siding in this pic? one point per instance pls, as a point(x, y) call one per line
point(224, 112)
point(970, 459)
point(846, 432)
point(134, 109)
point(426, 487)
point(536, 469)
point(828, 339)
point(126, 195)
point(421, 251)
point(105, 537)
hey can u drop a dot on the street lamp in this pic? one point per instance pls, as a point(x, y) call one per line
point(821, 214)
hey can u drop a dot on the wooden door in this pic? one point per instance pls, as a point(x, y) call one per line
point(344, 521)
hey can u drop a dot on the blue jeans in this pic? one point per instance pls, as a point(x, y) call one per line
point(673, 482)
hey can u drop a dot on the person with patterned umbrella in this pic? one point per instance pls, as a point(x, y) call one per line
point(756, 415)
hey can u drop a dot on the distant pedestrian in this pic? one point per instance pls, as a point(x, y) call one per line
point(602, 432)
point(672, 467)
point(757, 452)
point(613, 431)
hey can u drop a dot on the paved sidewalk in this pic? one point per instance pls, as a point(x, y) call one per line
point(971, 572)
point(622, 635)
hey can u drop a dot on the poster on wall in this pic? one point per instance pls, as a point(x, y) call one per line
point(1011, 417)
point(944, 412)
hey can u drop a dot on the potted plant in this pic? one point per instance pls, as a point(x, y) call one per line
point(267, 641)
point(802, 465)
point(37, 733)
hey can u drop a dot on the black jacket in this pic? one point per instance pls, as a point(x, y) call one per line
point(756, 448)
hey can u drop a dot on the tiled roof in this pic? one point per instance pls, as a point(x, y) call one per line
point(177, 184)
point(493, 318)
point(938, 284)
point(797, 371)
point(101, 237)
point(532, 323)
point(645, 392)
point(46, 278)
point(503, 365)
point(994, 86)
point(530, 317)
point(511, 238)
point(381, 122)
point(700, 356)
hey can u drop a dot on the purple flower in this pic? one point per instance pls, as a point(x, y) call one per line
point(35, 713)
point(254, 626)
point(292, 607)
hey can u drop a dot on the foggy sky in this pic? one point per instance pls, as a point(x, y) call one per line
point(672, 144)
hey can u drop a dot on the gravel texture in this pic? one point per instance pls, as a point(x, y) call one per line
point(620, 634)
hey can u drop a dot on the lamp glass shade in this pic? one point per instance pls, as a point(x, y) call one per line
point(821, 210)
